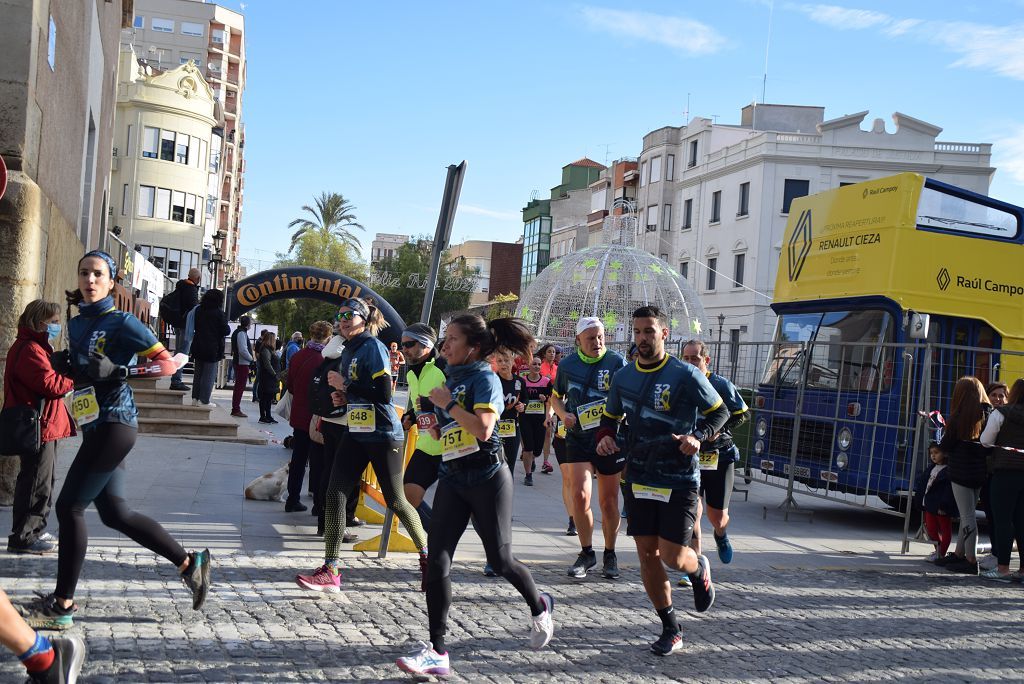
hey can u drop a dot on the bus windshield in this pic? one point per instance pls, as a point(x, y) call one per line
point(843, 349)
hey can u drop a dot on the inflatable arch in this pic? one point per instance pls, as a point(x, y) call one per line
point(305, 282)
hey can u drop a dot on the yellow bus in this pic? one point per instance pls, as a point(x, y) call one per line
point(887, 292)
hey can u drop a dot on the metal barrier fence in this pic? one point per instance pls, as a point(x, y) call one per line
point(843, 421)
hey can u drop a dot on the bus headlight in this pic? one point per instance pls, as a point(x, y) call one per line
point(842, 460)
point(762, 427)
point(844, 439)
point(758, 447)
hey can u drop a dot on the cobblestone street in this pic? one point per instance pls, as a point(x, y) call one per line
point(802, 625)
point(830, 600)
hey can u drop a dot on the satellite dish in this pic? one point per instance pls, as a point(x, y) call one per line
point(213, 67)
point(152, 49)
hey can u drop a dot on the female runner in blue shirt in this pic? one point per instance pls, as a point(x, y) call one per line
point(102, 345)
point(474, 481)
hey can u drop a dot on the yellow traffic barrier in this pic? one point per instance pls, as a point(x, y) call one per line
point(370, 487)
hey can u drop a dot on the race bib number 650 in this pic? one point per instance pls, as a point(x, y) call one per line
point(84, 406)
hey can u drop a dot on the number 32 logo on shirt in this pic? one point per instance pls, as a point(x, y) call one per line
point(662, 397)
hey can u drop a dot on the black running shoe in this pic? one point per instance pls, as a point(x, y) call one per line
point(611, 566)
point(703, 589)
point(584, 562)
point(571, 530)
point(197, 577)
point(68, 657)
point(669, 642)
point(947, 559)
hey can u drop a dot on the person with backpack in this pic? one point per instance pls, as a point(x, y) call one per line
point(211, 327)
point(174, 308)
point(242, 358)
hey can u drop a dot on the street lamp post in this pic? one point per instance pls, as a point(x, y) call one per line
point(718, 351)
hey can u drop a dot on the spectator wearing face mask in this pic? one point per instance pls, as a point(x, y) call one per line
point(30, 380)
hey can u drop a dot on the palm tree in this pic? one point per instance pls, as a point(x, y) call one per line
point(333, 217)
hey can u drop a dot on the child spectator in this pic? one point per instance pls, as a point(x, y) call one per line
point(934, 494)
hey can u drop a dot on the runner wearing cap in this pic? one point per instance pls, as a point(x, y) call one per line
point(581, 388)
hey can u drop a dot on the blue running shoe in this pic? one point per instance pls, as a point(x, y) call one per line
point(724, 548)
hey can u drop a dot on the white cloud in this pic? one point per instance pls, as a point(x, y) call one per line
point(845, 18)
point(684, 35)
point(999, 49)
point(490, 213)
point(1009, 154)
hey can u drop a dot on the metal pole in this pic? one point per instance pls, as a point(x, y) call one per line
point(924, 384)
point(718, 350)
point(443, 233)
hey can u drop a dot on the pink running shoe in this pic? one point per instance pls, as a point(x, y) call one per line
point(322, 579)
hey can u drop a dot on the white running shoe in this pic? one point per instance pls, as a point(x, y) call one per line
point(542, 627)
point(930, 558)
point(426, 661)
point(988, 562)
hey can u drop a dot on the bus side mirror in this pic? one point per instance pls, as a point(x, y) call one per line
point(917, 325)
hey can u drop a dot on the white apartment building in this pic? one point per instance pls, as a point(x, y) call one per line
point(164, 155)
point(170, 33)
point(386, 246)
point(713, 199)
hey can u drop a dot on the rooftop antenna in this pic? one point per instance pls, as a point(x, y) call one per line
point(686, 114)
point(767, 45)
point(606, 147)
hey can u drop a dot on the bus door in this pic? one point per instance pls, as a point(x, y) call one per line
point(970, 337)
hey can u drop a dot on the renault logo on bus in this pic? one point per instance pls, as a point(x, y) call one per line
point(799, 245)
point(943, 279)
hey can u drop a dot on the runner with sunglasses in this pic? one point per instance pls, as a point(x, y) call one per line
point(424, 374)
point(374, 437)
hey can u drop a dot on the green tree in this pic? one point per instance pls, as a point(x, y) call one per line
point(403, 274)
point(332, 216)
point(318, 250)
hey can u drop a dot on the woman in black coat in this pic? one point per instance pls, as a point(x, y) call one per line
point(211, 327)
point(267, 368)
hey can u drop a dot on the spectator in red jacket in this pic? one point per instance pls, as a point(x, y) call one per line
point(29, 378)
point(301, 369)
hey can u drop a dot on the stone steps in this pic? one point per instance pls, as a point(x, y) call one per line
point(173, 411)
point(159, 396)
point(168, 413)
point(237, 439)
point(184, 428)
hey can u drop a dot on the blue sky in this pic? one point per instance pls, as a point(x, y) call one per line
point(374, 100)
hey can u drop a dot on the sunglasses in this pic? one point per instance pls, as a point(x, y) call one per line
point(347, 315)
point(409, 344)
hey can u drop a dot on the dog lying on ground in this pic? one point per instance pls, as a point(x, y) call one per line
point(270, 487)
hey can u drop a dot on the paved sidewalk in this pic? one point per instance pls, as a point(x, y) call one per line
point(832, 600)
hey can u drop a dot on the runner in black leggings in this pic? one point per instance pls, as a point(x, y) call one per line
point(102, 341)
point(374, 437)
point(474, 481)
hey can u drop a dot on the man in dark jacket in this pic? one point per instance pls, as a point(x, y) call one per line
point(188, 298)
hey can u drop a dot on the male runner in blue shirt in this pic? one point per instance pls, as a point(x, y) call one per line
point(671, 408)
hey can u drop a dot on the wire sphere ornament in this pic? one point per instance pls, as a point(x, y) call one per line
point(610, 281)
